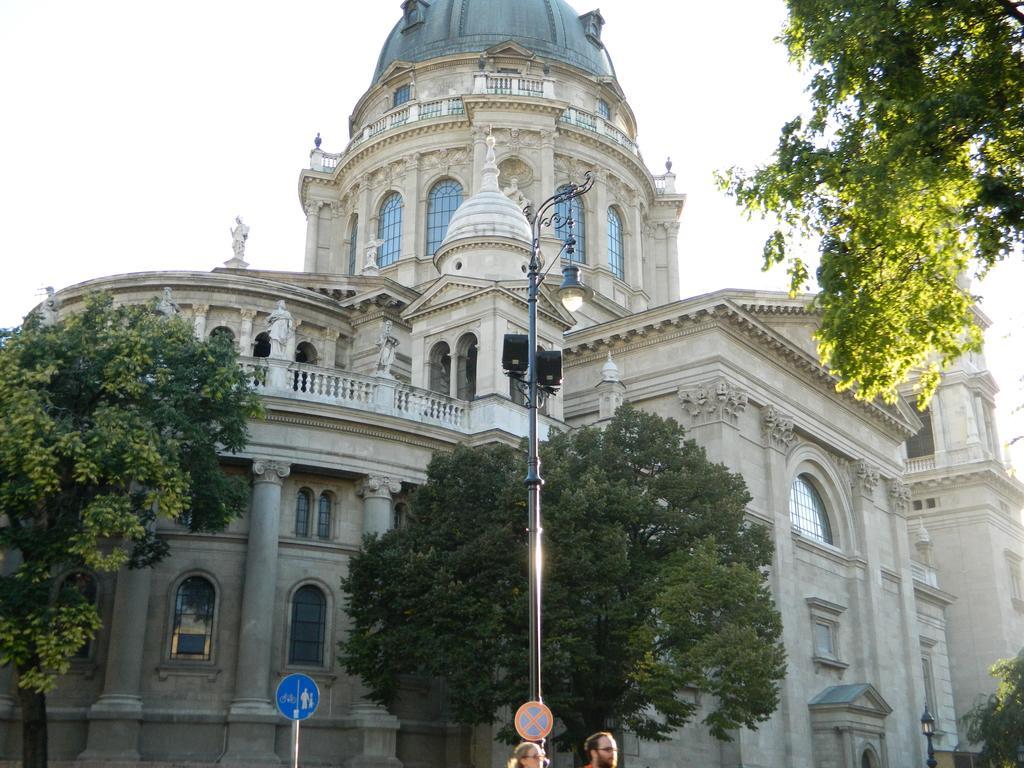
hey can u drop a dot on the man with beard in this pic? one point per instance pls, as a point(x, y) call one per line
point(601, 750)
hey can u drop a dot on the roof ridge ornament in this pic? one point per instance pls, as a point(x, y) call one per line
point(491, 170)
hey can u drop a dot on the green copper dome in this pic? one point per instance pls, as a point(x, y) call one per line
point(549, 28)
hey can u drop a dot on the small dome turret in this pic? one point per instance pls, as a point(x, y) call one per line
point(488, 236)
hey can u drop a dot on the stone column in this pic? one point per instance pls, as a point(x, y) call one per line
point(411, 241)
point(252, 719)
point(312, 208)
point(115, 720)
point(377, 511)
point(672, 255)
point(479, 156)
point(547, 164)
point(597, 243)
point(199, 312)
point(245, 332)
point(338, 256)
point(363, 232)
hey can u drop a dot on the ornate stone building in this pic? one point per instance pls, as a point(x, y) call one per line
point(898, 535)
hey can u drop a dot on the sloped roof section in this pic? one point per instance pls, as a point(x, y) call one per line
point(551, 29)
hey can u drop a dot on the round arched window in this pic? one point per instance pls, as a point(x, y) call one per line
point(807, 511)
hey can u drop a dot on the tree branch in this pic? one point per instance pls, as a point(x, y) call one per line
point(1013, 9)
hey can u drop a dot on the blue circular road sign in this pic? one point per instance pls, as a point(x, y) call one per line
point(297, 696)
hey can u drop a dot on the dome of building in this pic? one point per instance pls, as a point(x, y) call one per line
point(549, 28)
point(491, 216)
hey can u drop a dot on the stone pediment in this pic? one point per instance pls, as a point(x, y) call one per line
point(510, 48)
point(854, 700)
point(449, 291)
point(740, 313)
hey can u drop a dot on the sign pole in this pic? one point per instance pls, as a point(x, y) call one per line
point(295, 743)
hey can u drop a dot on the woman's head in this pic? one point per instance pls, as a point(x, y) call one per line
point(527, 755)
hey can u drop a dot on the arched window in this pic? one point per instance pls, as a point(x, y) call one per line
point(440, 373)
point(323, 516)
point(305, 353)
point(389, 230)
point(302, 505)
point(466, 367)
point(615, 260)
point(563, 210)
point(807, 511)
point(309, 620)
point(353, 228)
point(192, 635)
point(85, 586)
point(261, 347)
point(399, 516)
point(223, 332)
point(444, 198)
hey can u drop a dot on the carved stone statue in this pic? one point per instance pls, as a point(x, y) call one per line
point(516, 195)
point(386, 346)
point(370, 266)
point(239, 234)
point(280, 328)
point(166, 305)
point(50, 307)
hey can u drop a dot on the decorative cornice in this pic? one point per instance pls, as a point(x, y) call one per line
point(715, 401)
point(727, 314)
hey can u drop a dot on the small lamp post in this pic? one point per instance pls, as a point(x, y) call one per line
point(542, 371)
point(928, 729)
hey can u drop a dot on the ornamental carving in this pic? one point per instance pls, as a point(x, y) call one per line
point(270, 471)
point(512, 168)
point(899, 493)
point(379, 487)
point(777, 428)
point(865, 476)
point(714, 401)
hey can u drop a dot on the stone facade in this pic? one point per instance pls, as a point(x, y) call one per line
point(391, 352)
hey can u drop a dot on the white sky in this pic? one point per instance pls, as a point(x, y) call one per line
point(132, 133)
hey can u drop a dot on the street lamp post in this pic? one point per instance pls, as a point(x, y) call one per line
point(571, 292)
point(928, 729)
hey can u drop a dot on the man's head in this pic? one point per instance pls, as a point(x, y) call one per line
point(601, 750)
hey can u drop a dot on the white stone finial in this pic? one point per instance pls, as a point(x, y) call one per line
point(610, 371)
point(490, 179)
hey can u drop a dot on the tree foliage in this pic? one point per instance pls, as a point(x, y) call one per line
point(107, 419)
point(909, 171)
point(998, 722)
point(653, 587)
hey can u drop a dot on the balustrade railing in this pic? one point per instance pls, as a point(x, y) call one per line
point(590, 122)
point(370, 393)
point(409, 113)
point(512, 85)
point(921, 464)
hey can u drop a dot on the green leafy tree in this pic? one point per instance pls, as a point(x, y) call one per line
point(107, 419)
point(909, 171)
point(654, 587)
point(998, 722)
